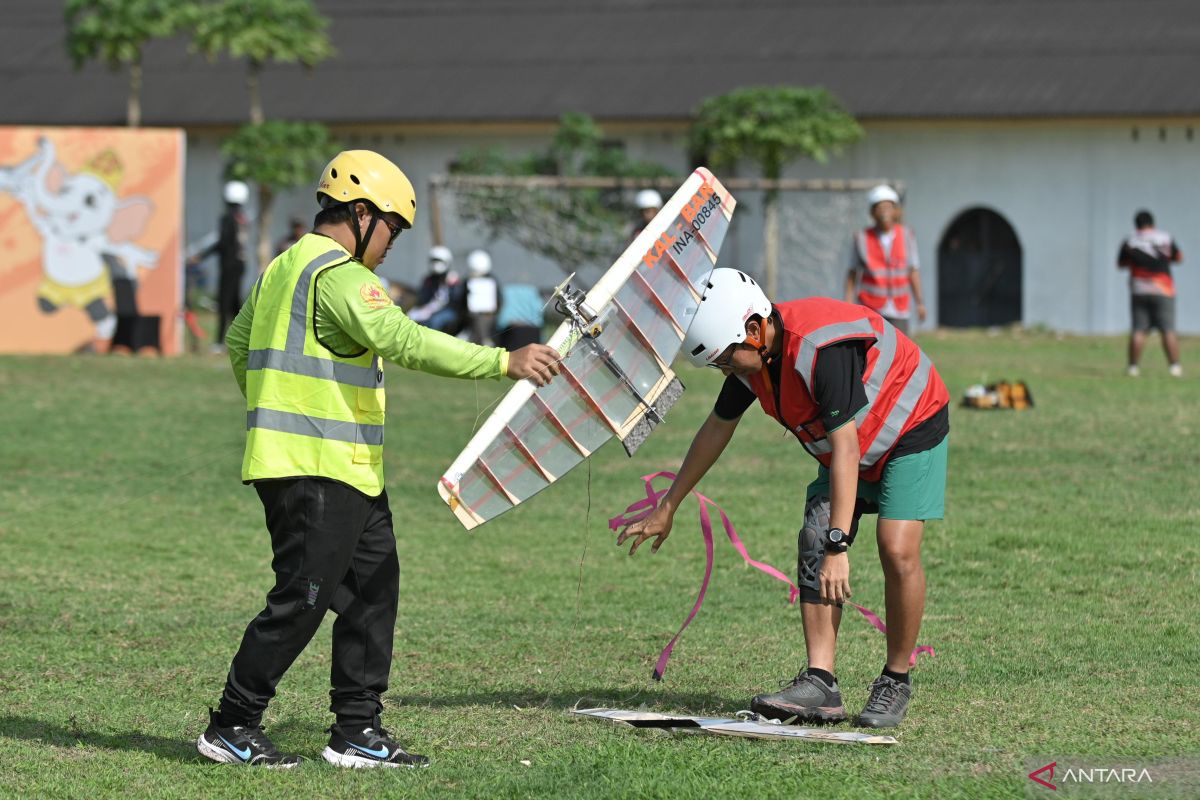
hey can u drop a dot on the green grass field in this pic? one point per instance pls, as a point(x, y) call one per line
point(1062, 594)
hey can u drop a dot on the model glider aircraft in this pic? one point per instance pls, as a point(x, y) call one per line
point(745, 723)
point(618, 342)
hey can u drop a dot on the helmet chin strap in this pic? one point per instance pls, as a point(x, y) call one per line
point(360, 239)
point(757, 343)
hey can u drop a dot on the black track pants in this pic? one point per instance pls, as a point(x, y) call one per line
point(333, 548)
point(229, 299)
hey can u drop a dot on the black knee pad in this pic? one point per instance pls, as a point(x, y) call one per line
point(810, 545)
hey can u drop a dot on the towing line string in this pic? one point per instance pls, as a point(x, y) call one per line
point(645, 506)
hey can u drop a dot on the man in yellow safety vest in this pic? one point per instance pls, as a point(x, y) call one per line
point(307, 350)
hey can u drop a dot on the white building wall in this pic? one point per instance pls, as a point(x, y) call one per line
point(1068, 188)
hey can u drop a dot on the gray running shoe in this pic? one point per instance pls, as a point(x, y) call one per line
point(887, 704)
point(806, 698)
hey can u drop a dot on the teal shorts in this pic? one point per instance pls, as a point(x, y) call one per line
point(911, 487)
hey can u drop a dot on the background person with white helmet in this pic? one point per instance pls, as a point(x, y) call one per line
point(884, 266)
point(648, 203)
point(482, 297)
point(868, 405)
point(230, 249)
point(433, 296)
point(307, 350)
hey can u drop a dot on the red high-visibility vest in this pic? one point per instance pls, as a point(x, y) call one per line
point(903, 389)
point(884, 275)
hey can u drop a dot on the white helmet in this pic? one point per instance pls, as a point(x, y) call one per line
point(647, 198)
point(730, 299)
point(479, 262)
point(237, 193)
point(880, 193)
point(440, 258)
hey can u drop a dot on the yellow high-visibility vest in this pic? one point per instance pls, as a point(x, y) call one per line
point(309, 412)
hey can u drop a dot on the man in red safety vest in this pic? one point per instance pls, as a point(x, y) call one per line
point(884, 265)
point(867, 403)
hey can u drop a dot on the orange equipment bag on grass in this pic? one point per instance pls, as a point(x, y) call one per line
point(1002, 394)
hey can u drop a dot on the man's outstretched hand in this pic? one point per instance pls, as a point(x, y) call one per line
point(537, 362)
point(657, 526)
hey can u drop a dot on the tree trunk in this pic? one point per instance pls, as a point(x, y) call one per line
point(133, 104)
point(771, 241)
point(266, 199)
point(435, 214)
point(256, 109)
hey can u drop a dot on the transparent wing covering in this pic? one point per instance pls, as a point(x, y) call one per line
point(641, 329)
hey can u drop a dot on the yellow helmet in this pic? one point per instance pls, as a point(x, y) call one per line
point(366, 175)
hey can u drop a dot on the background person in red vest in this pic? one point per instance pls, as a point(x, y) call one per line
point(884, 272)
point(864, 401)
point(1148, 255)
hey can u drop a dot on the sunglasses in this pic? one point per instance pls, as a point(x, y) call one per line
point(724, 360)
point(394, 228)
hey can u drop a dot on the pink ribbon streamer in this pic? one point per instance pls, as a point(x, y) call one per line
point(644, 507)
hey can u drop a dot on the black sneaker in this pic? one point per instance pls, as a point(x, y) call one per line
point(887, 704)
point(238, 744)
point(806, 698)
point(369, 747)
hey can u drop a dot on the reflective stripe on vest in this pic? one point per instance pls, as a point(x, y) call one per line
point(292, 358)
point(874, 374)
point(298, 388)
point(304, 425)
point(885, 275)
point(887, 437)
point(901, 386)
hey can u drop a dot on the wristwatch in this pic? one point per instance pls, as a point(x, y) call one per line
point(836, 541)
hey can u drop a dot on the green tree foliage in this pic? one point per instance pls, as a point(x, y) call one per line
point(772, 126)
point(276, 155)
point(261, 32)
point(570, 227)
point(115, 32)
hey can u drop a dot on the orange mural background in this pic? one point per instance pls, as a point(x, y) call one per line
point(148, 164)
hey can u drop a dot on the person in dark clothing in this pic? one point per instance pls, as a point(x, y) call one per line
point(648, 203)
point(296, 228)
point(434, 308)
point(230, 249)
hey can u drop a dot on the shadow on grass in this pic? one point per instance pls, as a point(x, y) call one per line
point(590, 697)
point(69, 735)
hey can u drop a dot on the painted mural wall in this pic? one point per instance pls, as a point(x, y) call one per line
point(90, 225)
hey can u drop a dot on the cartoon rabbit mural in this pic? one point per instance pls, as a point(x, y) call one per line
point(87, 231)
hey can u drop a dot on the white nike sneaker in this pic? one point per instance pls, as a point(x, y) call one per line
point(369, 747)
point(238, 744)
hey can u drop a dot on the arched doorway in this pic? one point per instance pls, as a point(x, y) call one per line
point(979, 271)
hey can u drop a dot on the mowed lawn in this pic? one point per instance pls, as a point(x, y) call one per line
point(1062, 594)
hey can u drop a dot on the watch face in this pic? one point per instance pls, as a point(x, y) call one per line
point(836, 535)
